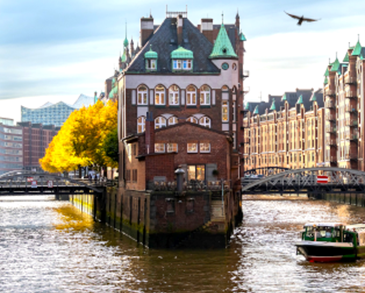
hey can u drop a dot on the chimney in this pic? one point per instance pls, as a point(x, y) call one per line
point(206, 28)
point(179, 26)
point(146, 29)
point(150, 133)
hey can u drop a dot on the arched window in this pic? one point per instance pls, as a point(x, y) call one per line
point(205, 95)
point(160, 122)
point(142, 95)
point(191, 95)
point(225, 88)
point(141, 124)
point(205, 121)
point(173, 95)
point(173, 120)
point(192, 120)
point(159, 95)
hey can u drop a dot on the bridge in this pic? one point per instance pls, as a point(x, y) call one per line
point(28, 183)
point(304, 181)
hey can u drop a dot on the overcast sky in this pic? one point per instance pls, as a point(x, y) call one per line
point(56, 50)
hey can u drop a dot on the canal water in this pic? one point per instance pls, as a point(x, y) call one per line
point(49, 246)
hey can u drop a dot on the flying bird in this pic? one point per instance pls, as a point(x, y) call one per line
point(301, 18)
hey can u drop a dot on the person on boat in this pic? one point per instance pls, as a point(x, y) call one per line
point(328, 233)
point(318, 234)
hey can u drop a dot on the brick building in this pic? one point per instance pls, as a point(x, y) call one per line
point(36, 138)
point(344, 104)
point(287, 131)
point(180, 102)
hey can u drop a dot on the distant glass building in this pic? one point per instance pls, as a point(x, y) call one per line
point(11, 148)
point(7, 121)
point(54, 114)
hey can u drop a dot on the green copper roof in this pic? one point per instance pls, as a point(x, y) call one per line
point(327, 72)
point(325, 80)
point(242, 37)
point(247, 107)
point(313, 98)
point(125, 43)
point(284, 98)
point(124, 56)
point(256, 111)
point(346, 59)
point(95, 99)
point(273, 108)
point(151, 54)
point(300, 100)
point(222, 46)
point(335, 65)
point(357, 50)
point(113, 91)
point(182, 53)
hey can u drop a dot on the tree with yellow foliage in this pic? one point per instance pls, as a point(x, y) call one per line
point(80, 140)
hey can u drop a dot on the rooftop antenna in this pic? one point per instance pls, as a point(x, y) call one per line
point(329, 60)
point(349, 45)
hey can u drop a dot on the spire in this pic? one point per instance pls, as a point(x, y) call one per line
point(313, 98)
point(125, 43)
point(300, 100)
point(222, 46)
point(284, 98)
point(357, 50)
point(273, 108)
point(256, 111)
point(335, 65)
point(346, 59)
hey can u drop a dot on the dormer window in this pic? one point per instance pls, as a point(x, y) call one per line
point(151, 60)
point(182, 59)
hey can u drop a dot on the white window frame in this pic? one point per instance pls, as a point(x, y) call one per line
point(187, 64)
point(172, 147)
point(202, 147)
point(160, 148)
point(190, 144)
point(205, 121)
point(225, 107)
point(174, 95)
point(192, 119)
point(176, 64)
point(160, 122)
point(141, 122)
point(190, 96)
point(173, 120)
point(205, 96)
point(151, 64)
point(160, 95)
point(142, 98)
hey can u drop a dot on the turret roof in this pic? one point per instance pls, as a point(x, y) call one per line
point(222, 46)
point(357, 50)
point(182, 53)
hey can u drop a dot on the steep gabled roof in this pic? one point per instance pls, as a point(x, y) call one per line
point(357, 50)
point(164, 41)
point(222, 46)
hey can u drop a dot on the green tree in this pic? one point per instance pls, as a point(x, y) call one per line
point(110, 145)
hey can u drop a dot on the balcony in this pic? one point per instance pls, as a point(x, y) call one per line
point(331, 142)
point(351, 157)
point(351, 122)
point(330, 93)
point(350, 108)
point(351, 95)
point(330, 117)
point(331, 129)
point(350, 79)
point(330, 105)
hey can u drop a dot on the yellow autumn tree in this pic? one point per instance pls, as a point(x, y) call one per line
point(79, 141)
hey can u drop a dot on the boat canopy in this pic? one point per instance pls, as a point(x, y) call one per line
point(325, 225)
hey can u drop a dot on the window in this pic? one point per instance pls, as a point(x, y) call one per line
point(205, 121)
point(234, 111)
point(134, 175)
point(177, 64)
point(160, 122)
point(204, 147)
point(172, 147)
point(134, 149)
point(159, 147)
point(141, 124)
point(151, 64)
point(142, 95)
point(191, 96)
point(173, 95)
point(192, 147)
point(225, 111)
point(159, 95)
point(187, 64)
point(128, 175)
point(192, 120)
point(204, 95)
point(173, 120)
point(196, 172)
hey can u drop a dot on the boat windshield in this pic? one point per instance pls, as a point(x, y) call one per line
point(322, 232)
